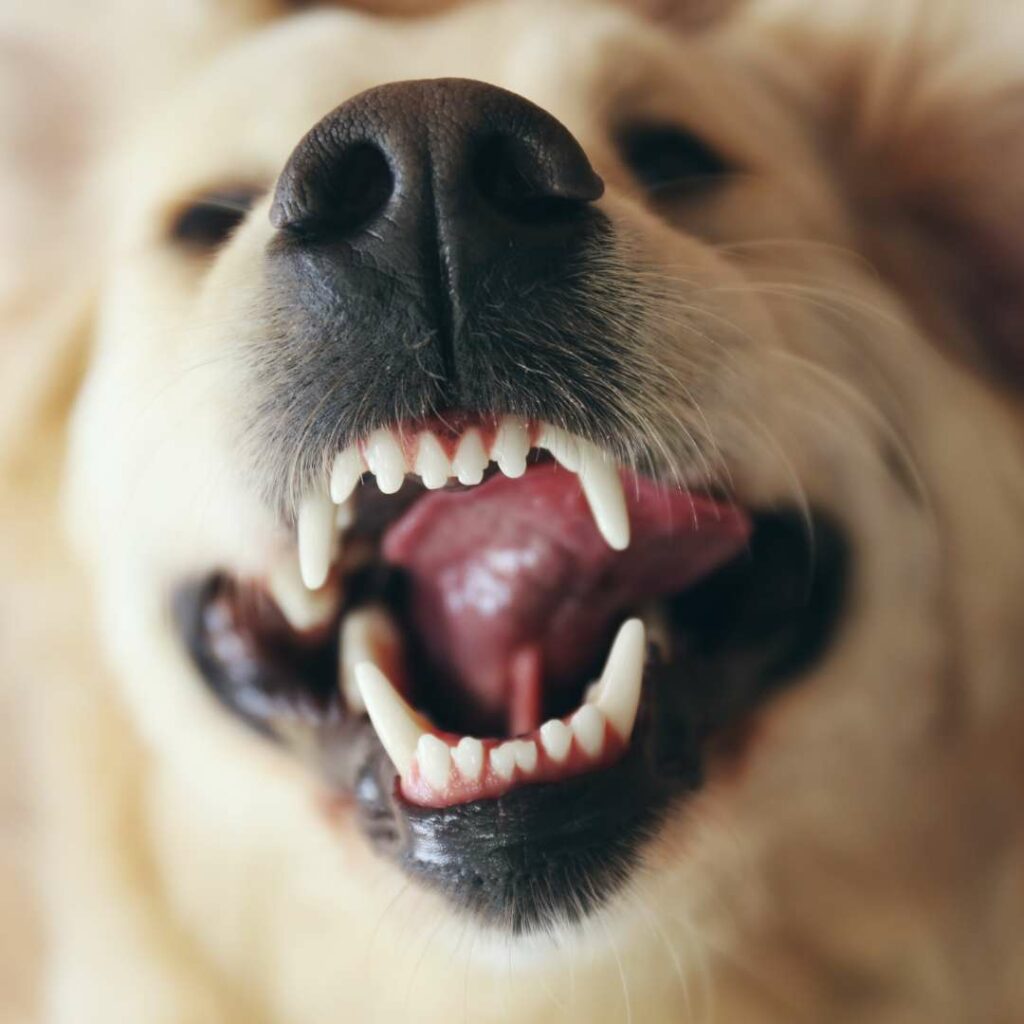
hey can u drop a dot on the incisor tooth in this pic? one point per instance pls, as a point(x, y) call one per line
point(525, 752)
point(623, 676)
point(557, 738)
point(395, 722)
point(468, 756)
point(562, 445)
point(470, 458)
point(435, 761)
point(511, 447)
point(367, 634)
point(432, 465)
point(315, 529)
point(503, 761)
point(345, 473)
point(386, 460)
point(602, 487)
point(588, 728)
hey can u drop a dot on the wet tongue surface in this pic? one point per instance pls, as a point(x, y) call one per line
point(514, 593)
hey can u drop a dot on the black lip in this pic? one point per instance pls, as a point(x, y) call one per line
point(551, 853)
point(542, 854)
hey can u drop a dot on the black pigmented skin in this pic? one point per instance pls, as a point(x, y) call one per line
point(463, 267)
point(538, 856)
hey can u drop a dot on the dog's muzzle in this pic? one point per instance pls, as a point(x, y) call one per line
point(513, 650)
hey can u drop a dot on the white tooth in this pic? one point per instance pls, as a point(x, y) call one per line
point(316, 538)
point(557, 738)
point(345, 473)
point(303, 608)
point(623, 677)
point(602, 487)
point(525, 752)
point(386, 460)
point(395, 722)
point(588, 727)
point(563, 446)
point(511, 447)
point(503, 760)
point(432, 465)
point(470, 458)
point(593, 691)
point(345, 516)
point(469, 758)
point(435, 760)
point(367, 634)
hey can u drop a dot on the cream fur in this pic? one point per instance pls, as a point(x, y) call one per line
point(868, 861)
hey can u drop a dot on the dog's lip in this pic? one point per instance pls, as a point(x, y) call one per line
point(542, 851)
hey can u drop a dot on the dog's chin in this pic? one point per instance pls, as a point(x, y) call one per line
point(509, 696)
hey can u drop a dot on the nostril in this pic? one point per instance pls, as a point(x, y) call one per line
point(523, 186)
point(340, 196)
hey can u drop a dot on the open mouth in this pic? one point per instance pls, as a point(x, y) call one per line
point(513, 653)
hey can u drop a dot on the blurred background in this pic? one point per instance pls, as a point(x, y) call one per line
point(74, 77)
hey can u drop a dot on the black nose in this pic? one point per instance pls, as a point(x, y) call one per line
point(447, 163)
point(439, 248)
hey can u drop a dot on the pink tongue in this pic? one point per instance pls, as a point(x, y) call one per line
point(513, 588)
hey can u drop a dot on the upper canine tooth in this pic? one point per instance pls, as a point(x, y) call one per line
point(435, 760)
point(315, 528)
point(602, 487)
point(623, 676)
point(367, 634)
point(345, 473)
point(511, 447)
point(386, 460)
point(396, 724)
point(470, 458)
point(432, 465)
point(303, 608)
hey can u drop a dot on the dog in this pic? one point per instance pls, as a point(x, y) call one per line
point(545, 490)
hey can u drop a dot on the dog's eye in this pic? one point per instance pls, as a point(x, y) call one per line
point(208, 220)
point(667, 159)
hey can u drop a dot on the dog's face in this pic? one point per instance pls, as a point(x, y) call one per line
point(449, 366)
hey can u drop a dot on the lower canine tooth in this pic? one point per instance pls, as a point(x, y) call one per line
point(623, 677)
point(469, 758)
point(386, 460)
point(396, 724)
point(435, 760)
point(557, 738)
point(367, 634)
point(588, 727)
point(315, 530)
point(503, 761)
